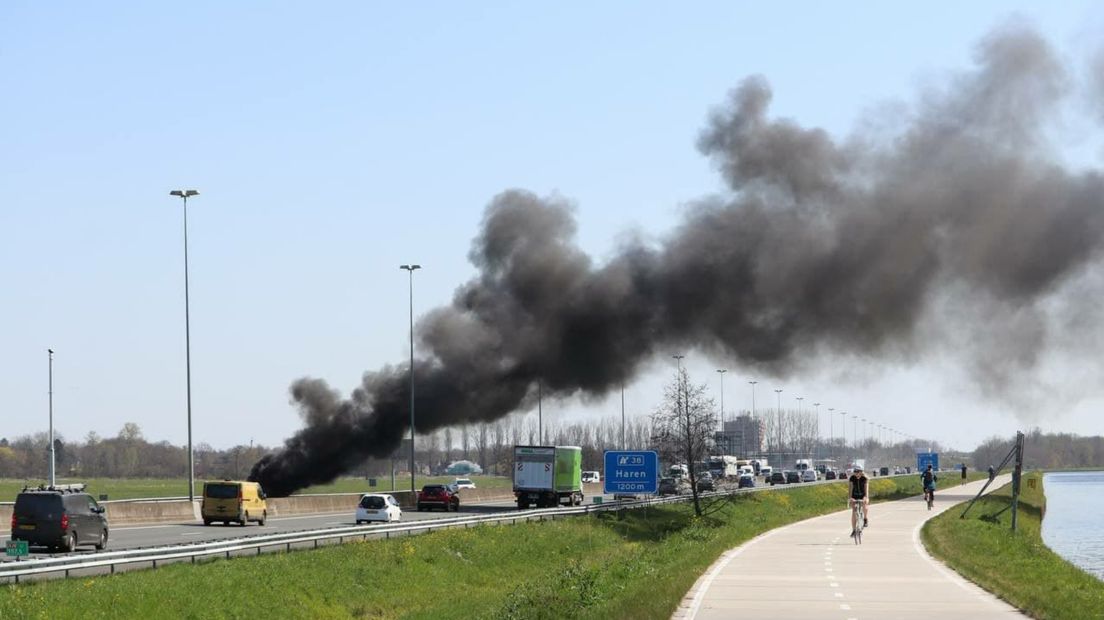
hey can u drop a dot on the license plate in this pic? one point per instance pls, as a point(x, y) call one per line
point(27, 526)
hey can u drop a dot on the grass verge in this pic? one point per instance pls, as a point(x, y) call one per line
point(1015, 566)
point(583, 567)
point(131, 488)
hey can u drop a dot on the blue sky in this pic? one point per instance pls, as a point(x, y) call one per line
point(332, 143)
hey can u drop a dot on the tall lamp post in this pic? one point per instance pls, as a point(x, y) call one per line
point(843, 432)
point(722, 371)
point(622, 416)
point(50, 391)
point(778, 421)
point(816, 409)
point(410, 271)
point(831, 431)
point(185, 194)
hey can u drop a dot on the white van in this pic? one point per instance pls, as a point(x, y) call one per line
point(591, 477)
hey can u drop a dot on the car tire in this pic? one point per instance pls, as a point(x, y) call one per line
point(420, 508)
point(358, 521)
point(264, 517)
point(70, 543)
point(102, 544)
point(242, 521)
point(207, 522)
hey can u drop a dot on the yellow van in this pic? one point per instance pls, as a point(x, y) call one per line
point(233, 500)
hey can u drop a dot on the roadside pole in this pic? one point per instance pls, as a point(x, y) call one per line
point(1017, 472)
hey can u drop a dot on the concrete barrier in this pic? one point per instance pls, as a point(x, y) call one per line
point(5, 515)
point(175, 511)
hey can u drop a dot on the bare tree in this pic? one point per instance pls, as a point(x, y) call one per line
point(682, 427)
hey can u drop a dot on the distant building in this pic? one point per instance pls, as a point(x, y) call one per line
point(741, 436)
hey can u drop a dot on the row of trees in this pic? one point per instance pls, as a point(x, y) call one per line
point(681, 428)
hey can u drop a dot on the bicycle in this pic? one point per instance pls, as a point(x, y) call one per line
point(860, 518)
point(929, 495)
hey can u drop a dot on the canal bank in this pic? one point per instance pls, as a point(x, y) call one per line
point(1016, 566)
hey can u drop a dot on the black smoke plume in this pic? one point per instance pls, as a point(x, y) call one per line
point(821, 246)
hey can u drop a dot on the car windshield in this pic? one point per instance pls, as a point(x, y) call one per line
point(463, 481)
point(433, 488)
point(373, 502)
point(37, 505)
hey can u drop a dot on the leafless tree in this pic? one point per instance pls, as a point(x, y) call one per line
point(682, 428)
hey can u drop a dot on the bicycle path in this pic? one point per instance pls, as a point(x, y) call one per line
point(813, 569)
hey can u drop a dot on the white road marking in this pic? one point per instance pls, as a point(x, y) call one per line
point(839, 594)
point(834, 584)
point(845, 606)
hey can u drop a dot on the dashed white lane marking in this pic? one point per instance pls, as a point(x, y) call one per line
point(834, 584)
point(839, 594)
point(845, 607)
point(192, 534)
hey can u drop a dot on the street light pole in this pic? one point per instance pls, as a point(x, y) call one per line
point(816, 410)
point(410, 270)
point(51, 405)
point(778, 421)
point(722, 371)
point(540, 414)
point(622, 416)
point(185, 194)
point(843, 432)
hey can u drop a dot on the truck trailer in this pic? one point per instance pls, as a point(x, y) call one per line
point(547, 476)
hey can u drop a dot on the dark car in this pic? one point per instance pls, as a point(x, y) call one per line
point(438, 496)
point(747, 482)
point(778, 478)
point(58, 518)
point(793, 477)
point(883, 471)
point(705, 482)
point(830, 474)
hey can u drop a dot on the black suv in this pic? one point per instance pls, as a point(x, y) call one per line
point(60, 517)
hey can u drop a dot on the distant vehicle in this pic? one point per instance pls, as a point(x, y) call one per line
point(766, 471)
point(778, 478)
point(746, 482)
point(463, 468)
point(546, 476)
point(59, 517)
point(830, 474)
point(233, 501)
point(809, 475)
point(678, 471)
point(883, 471)
point(803, 464)
point(723, 466)
point(897, 471)
point(757, 464)
point(793, 477)
point(705, 482)
point(438, 496)
point(591, 477)
point(464, 483)
point(668, 486)
point(377, 507)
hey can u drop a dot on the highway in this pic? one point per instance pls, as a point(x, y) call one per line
point(136, 536)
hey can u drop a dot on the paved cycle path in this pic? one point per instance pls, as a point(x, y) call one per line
point(812, 569)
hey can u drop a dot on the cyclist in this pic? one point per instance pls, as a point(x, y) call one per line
point(858, 486)
point(929, 479)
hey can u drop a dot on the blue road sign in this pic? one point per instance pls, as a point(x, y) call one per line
point(924, 458)
point(635, 472)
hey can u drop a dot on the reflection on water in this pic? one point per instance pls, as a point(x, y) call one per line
point(1074, 509)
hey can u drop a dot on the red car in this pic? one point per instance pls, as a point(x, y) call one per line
point(438, 496)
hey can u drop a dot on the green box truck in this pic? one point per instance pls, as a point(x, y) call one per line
point(547, 476)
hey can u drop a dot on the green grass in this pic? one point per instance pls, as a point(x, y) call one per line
point(583, 567)
point(1017, 567)
point(127, 488)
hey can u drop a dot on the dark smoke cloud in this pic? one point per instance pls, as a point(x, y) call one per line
point(819, 246)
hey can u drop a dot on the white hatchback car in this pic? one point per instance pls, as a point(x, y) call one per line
point(464, 483)
point(377, 507)
point(809, 475)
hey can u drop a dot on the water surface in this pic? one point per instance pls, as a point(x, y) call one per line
point(1074, 514)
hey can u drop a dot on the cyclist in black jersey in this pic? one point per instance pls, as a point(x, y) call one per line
point(857, 484)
